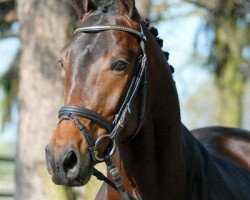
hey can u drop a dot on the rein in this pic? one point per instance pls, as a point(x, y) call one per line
point(114, 128)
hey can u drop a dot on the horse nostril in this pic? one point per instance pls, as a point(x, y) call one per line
point(70, 164)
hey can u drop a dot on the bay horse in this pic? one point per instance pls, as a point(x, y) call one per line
point(122, 107)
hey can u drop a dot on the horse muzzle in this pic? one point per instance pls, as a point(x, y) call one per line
point(68, 167)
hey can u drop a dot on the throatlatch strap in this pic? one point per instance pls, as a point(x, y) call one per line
point(100, 176)
point(114, 172)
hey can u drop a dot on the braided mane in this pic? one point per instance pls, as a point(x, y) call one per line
point(154, 32)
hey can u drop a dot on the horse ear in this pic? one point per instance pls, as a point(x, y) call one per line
point(128, 6)
point(82, 6)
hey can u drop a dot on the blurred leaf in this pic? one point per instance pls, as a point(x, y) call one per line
point(229, 24)
point(9, 82)
point(8, 15)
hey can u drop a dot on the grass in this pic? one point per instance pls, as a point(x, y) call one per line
point(7, 149)
point(7, 169)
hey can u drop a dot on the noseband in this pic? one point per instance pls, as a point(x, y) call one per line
point(114, 128)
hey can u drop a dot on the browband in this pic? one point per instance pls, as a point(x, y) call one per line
point(91, 29)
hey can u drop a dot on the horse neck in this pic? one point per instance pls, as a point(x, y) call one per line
point(153, 160)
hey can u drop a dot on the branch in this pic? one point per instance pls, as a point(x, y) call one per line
point(6, 194)
point(5, 36)
point(5, 1)
point(5, 159)
point(182, 15)
point(199, 4)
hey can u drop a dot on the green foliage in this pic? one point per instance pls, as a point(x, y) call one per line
point(9, 83)
point(157, 11)
point(9, 80)
point(8, 15)
point(229, 24)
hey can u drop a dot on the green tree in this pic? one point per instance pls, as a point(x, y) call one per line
point(7, 16)
point(9, 80)
point(229, 58)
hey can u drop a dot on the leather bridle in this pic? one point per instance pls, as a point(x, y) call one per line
point(138, 85)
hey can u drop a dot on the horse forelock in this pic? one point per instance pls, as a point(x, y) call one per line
point(107, 5)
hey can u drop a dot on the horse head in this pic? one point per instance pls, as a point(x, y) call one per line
point(101, 74)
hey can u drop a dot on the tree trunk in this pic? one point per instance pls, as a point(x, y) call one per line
point(230, 107)
point(230, 78)
point(44, 31)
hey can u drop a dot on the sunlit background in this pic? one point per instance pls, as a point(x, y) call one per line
point(193, 35)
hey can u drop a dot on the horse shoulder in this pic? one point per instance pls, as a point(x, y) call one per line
point(232, 143)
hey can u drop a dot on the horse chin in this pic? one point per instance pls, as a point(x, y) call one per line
point(77, 182)
point(80, 180)
point(84, 176)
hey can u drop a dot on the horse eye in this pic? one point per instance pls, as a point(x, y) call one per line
point(61, 63)
point(120, 65)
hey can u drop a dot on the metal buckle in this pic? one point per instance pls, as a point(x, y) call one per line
point(96, 145)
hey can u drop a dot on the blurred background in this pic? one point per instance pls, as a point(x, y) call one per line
point(209, 46)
